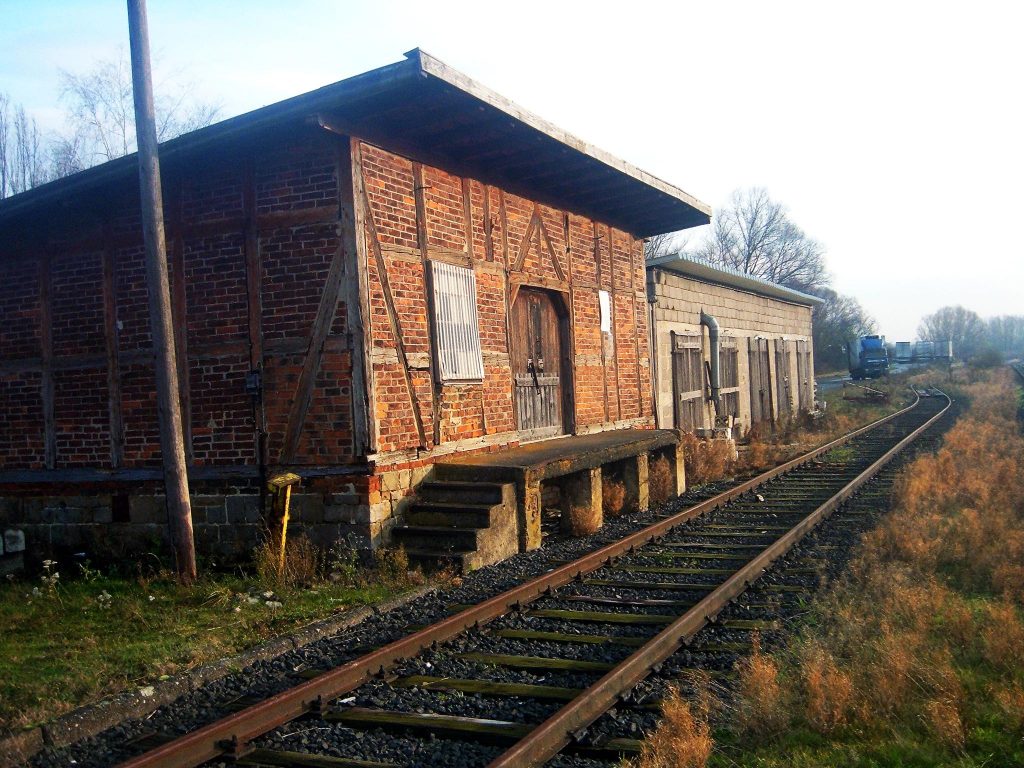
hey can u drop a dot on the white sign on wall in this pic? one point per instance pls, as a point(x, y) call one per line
point(606, 311)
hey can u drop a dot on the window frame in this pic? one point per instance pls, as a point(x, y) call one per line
point(455, 320)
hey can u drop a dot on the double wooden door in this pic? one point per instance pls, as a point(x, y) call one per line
point(537, 352)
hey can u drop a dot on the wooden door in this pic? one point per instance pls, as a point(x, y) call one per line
point(783, 385)
point(537, 364)
point(805, 387)
point(760, 381)
point(688, 381)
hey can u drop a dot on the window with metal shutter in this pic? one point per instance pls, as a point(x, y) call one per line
point(456, 323)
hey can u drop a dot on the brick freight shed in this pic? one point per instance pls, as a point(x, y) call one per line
point(394, 269)
point(766, 354)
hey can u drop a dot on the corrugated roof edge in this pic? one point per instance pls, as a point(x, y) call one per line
point(417, 63)
point(699, 269)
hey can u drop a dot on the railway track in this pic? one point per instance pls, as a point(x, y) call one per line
point(550, 665)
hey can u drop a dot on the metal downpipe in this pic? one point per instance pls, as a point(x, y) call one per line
point(716, 372)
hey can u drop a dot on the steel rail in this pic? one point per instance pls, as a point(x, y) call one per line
point(567, 724)
point(234, 733)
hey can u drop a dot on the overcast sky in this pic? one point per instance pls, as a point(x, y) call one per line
point(893, 132)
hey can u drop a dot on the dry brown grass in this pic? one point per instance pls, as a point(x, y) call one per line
point(827, 689)
point(613, 496)
point(660, 487)
point(581, 520)
point(762, 709)
point(682, 738)
point(962, 510)
point(302, 565)
point(1011, 701)
point(760, 455)
point(1003, 636)
point(944, 721)
point(706, 460)
point(392, 565)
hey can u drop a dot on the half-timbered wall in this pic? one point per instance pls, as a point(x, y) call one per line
point(258, 271)
point(412, 214)
point(753, 327)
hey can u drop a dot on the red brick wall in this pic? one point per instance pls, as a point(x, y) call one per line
point(606, 390)
point(295, 197)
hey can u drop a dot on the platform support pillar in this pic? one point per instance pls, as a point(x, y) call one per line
point(582, 502)
point(678, 465)
point(635, 478)
point(529, 515)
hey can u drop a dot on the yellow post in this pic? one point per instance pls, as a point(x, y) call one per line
point(284, 530)
point(275, 485)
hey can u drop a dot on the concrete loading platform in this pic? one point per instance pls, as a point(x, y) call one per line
point(479, 509)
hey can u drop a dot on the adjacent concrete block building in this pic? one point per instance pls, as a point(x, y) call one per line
point(765, 349)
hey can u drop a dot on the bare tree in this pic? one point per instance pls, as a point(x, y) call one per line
point(101, 114)
point(5, 134)
point(1006, 333)
point(101, 123)
point(754, 235)
point(23, 158)
point(963, 327)
point(665, 245)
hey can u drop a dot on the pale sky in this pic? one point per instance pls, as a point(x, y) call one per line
point(893, 132)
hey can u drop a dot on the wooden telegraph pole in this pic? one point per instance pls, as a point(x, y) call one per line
point(172, 445)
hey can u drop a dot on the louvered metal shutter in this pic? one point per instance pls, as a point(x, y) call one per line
point(456, 323)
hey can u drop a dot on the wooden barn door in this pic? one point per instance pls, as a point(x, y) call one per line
point(760, 381)
point(537, 365)
point(783, 385)
point(806, 383)
point(688, 381)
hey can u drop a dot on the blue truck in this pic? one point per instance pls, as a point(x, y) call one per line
point(868, 357)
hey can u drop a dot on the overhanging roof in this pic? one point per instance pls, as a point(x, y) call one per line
point(422, 108)
point(697, 269)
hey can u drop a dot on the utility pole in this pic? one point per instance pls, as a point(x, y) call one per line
point(172, 444)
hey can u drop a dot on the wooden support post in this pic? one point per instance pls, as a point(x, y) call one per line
point(467, 222)
point(113, 363)
point(254, 310)
point(636, 329)
point(172, 446)
point(394, 321)
point(507, 298)
point(353, 222)
point(46, 360)
point(597, 291)
point(418, 194)
point(179, 315)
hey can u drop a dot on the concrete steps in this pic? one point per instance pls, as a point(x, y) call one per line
point(457, 523)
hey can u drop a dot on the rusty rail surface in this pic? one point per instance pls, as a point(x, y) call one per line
point(555, 733)
point(232, 735)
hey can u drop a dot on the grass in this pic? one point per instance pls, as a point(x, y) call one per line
point(769, 445)
point(916, 658)
point(77, 638)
